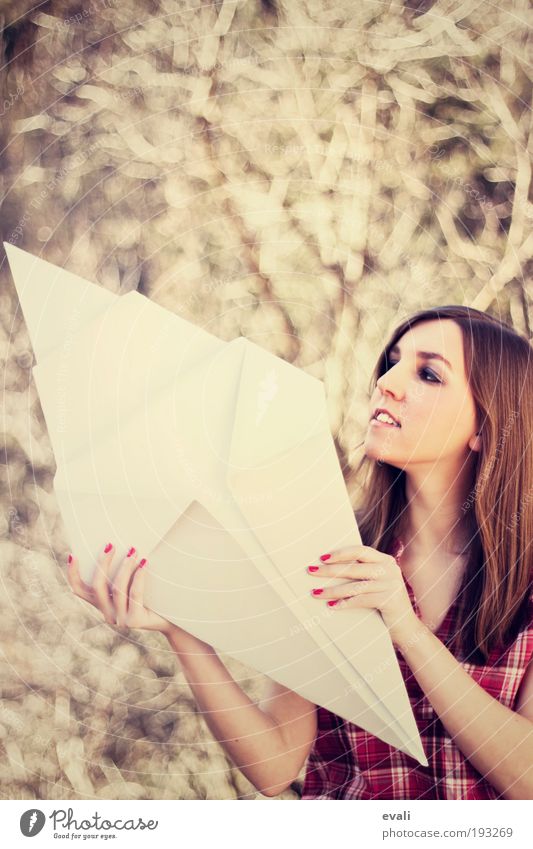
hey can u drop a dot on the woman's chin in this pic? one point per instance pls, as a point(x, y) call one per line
point(379, 452)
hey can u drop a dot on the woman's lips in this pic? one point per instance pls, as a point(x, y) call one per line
point(377, 423)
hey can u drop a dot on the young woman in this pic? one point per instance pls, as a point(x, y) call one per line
point(446, 515)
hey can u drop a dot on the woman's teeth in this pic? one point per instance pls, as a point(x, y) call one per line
point(383, 417)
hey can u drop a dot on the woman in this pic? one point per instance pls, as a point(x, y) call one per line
point(447, 521)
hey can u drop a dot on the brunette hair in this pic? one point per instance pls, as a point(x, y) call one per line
point(498, 514)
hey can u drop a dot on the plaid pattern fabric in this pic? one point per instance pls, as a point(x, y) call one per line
point(347, 762)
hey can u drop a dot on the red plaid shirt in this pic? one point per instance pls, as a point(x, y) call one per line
point(347, 762)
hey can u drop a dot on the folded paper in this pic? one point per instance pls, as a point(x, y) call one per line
point(215, 460)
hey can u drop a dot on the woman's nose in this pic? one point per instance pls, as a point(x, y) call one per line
point(390, 383)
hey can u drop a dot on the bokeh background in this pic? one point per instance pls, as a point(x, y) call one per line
point(304, 174)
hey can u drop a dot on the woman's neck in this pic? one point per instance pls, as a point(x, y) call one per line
point(436, 521)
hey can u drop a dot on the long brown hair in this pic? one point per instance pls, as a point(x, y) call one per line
point(498, 513)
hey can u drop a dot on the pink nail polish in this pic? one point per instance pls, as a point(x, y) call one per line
point(312, 568)
point(108, 548)
point(141, 564)
point(333, 601)
point(325, 557)
point(317, 591)
point(70, 559)
point(131, 551)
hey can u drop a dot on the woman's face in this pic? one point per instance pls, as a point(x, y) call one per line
point(430, 398)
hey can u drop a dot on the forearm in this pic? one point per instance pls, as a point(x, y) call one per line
point(497, 741)
point(251, 737)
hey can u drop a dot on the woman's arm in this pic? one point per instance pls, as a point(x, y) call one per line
point(268, 742)
point(497, 741)
point(524, 697)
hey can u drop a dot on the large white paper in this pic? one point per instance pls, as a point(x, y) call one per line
point(215, 460)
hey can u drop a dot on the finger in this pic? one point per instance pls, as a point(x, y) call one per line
point(78, 587)
point(120, 586)
point(354, 588)
point(104, 566)
point(355, 552)
point(355, 571)
point(101, 585)
point(136, 593)
point(363, 600)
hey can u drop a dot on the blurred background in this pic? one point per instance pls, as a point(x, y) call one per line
point(305, 174)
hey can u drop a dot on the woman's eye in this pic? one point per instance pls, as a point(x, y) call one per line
point(431, 376)
point(434, 377)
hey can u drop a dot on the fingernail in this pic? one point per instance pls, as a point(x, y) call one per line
point(312, 568)
point(325, 557)
point(333, 601)
point(317, 591)
point(141, 564)
point(108, 548)
point(131, 551)
point(70, 559)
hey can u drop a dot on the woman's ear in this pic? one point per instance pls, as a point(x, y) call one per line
point(474, 443)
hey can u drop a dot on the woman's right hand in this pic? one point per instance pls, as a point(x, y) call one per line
point(120, 598)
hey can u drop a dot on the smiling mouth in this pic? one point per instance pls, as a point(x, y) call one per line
point(385, 420)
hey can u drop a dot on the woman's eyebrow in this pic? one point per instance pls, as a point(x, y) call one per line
point(424, 355)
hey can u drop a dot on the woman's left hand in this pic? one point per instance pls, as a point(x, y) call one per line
point(374, 579)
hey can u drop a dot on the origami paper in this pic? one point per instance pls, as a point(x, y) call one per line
point(215, 461)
